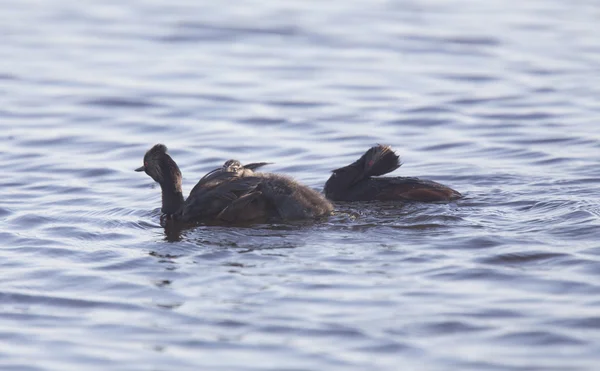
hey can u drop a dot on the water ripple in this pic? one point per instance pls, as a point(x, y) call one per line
point(503, 279)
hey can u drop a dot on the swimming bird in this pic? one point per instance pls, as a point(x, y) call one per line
point(230, 169)
point(359, 182)
point(232, 193)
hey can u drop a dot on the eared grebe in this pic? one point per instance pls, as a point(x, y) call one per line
point(230, 169)
point(355, 182)
point(232, 193)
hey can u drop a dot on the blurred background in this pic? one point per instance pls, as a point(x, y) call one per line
point(497, 99)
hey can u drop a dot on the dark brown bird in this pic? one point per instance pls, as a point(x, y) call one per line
point(356, 181)
point(232, 193)
point(230, 169)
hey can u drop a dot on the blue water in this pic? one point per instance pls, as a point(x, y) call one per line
point(496, 99)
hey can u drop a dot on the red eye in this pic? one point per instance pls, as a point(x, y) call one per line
point(145, 163)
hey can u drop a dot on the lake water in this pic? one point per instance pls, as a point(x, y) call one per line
point(497, 99)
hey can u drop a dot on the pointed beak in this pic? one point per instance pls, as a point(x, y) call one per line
point(140, 169)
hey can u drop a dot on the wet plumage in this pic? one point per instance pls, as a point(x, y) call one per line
point(360, 181)
point(232, 193)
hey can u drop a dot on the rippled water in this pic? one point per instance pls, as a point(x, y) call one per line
point(497, 99)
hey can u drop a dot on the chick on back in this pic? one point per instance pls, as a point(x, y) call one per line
point(232, 193)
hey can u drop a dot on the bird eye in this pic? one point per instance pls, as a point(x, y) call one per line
point(145, 163)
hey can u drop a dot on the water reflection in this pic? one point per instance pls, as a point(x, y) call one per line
point(503, 279)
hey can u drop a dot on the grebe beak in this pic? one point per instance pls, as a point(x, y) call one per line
point(140, 168)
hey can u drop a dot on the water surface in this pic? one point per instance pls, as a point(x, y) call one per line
point(497, 99)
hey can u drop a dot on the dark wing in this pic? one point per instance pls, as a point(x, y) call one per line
point(206, 203)
point(230, 169)
point(379, 160)
point(212, 179)
point(351, 183)
point(414, 189)
point(249, 207)
point(291, 200)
